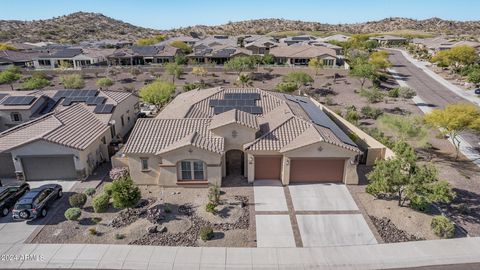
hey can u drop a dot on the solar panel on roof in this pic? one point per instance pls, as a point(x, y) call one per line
point(257, 110)
point(104, 108)
point(19, 100)
point(67, 102)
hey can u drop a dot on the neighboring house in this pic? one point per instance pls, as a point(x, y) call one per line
point(436, 44)
point(17, 58)
point(298, 39)
point(105, 43)
point(389, 40)
point(70, 137)
point(217, 40)
point(203, 136)
point(190, 41)
point(337, 38)
point(301, 55)
point(218, 54)
point(259, 45)
point(143, 55)
point(76, 58)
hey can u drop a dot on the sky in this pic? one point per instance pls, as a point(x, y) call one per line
point(167, 14)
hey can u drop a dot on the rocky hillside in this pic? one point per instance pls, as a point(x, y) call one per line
point(265, 26)
point(72, 28)
point(82, 26)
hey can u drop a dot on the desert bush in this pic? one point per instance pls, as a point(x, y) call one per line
point(119, 172)
point(206, 233)
point(167, 208)
point(443, 227)
point(406, 92)
point(73, 213)
point(214, 194)
point(352, 115)
point(373, 95)
point(287, 87)
point(96, 220)
point(92, 231)
point(190, 86)
point(210, 207)
point(393, 93)
point(77, 200)
point(125, 193)
point(89, 192)
point(329, 101)
point(74, 81)
point(107, 188)
point(100, 202)
point(371, 112)
point(119, 236)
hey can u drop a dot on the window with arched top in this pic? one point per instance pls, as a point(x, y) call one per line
point(191, 170)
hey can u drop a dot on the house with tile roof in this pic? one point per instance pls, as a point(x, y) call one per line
point(62, 134)
point(300, 54)
point(143, 55)
point(204, 136)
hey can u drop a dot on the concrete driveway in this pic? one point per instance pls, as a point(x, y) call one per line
point(322, 197)
point(18, 231)
point(269, 195)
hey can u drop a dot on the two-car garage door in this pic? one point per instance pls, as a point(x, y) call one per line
point(316, 170)
point(49, 168)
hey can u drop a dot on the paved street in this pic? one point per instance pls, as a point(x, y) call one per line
point(428, 89)
point(308, 215)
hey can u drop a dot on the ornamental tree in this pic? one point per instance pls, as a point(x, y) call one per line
point(157, 93)
point(363, 71)
point(315, 64)
point(240, 64)
point(453, 120)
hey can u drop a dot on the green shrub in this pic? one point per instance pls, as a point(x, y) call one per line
point(352, 115)
point(214, 194)
point(74, 81)
point(393, 93)
point(406, 92)
point(206, 233)
point(107, 188)
point(101, 202)
point(77, 200)
point(89, 192)
point(73, 213)
point(371, 112)
point(190, 86)
point(125, 193)
point(210, 207)
point(287, 87)
point(443, 227)
point(167, 208)
point(373, 95)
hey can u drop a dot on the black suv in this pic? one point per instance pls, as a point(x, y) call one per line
point(36, 202)
point(9, 196)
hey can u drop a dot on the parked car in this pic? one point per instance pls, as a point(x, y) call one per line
point(36, 202)
point(9, 196)
point(477, 91)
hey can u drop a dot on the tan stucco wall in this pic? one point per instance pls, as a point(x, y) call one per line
point(163, 170)
point(121, 109)
point(243, 135)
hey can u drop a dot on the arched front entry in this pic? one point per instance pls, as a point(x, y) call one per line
point(235, 163)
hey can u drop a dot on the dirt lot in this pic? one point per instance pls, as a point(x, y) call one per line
point(180, 217)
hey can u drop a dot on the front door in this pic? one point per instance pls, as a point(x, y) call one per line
point(234, 162)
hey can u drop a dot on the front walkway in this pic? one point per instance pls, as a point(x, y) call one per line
point(308, 215)
point(378, 256)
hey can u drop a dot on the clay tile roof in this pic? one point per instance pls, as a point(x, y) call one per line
point(234, 116)
point(74, 127)
point(117, 96)
point(152, 136)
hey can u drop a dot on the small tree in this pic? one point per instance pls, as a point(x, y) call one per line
point(174, 70)
point(125, 194)
point(363, 72)
point(239, 64)
point(268, 59)
point(157, 93)
point(315, 64)
point(105, 82)
point(37, 81)
point(474, 76)
point(401, 178)
point(299, 78)
point(243, 79)
point(74, 81)
point(214, 194)
point(9, 77)
point(454, 119)
point(379, 60)
point(372, 95)
point(63, 65)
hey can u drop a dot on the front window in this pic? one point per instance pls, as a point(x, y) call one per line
point(192, 170)
point(145, 164)
point(16, 117)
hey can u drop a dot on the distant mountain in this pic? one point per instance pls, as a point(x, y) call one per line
point(392, 25)
point(72, 28)
point(80, 26)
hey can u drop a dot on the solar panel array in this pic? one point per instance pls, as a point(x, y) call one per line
point(104, 108)
point(241, 101)
point(19, 100)
point(89, 97)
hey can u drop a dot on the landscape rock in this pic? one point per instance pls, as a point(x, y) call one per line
point(390, 233)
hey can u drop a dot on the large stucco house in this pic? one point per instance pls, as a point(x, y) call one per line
point(203, 136)
point(67, 136)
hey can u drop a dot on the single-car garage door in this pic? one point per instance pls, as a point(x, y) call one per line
point(7, 169)
point(316, 170)
point(268, 167)
point(48, 168)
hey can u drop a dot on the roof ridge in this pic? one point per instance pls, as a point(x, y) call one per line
point(26, 124)
point(270, 131)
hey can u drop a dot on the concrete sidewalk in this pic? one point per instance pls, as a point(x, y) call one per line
point(379, 256)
